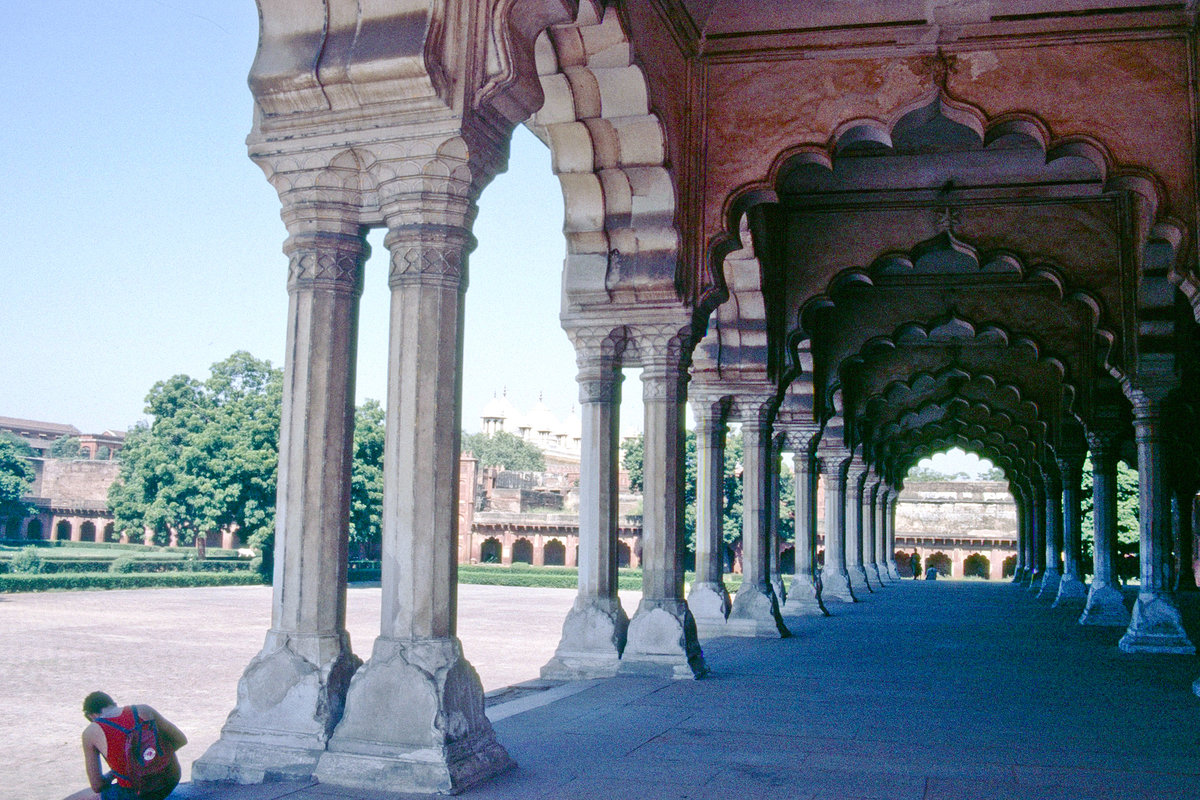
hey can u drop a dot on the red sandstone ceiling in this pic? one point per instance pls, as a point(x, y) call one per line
point(720, 18)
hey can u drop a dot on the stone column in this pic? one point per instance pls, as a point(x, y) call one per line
point(870, 546)
point(755, 610)
point(292, 693)
point(593, 634)
point(773, 478)
point(835, 579)
point(882, 554)
point(1022, 504)
point(1038, 533)
point(856, 475)
point(1072, 593)
point(414, 719)
point(709, 599)
point(886, 517)
point(805, 596)
point(1105, 603)
point(662, 634)
point(1182, 508)
point(1054, 536)
point(1156, 625)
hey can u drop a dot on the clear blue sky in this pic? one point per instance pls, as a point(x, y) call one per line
point(139, 241)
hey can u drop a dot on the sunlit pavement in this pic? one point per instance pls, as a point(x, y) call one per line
point(925, 690)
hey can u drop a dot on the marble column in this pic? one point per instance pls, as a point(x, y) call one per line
point(805, 596)
point(835, 579)
point(709, 599)
point(856, 475)
point(1048, 588)
point(1156, 625)
point(755, 610)
point(774, 478)
point(869, 526)
point(1105, 602)
point(593, 634)
point(1182, 510)
point(1072, 593)
point(662, 636)
point(414, 719)
point(292, 694)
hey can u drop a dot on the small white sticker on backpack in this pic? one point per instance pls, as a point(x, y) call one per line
point(149, 754)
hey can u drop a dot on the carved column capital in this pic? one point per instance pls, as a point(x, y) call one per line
point(331, 261)
point(429, 254)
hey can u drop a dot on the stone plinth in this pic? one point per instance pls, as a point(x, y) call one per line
point(1072, 594)
point(1105, 605)
point(709, 603)
point(593, 636)
point(414, 723)
point(755, 612)
point(805, 598)
point(1156, 627)
point(662, 641)
point(1048, 588)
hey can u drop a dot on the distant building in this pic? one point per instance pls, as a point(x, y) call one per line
point(70, 495)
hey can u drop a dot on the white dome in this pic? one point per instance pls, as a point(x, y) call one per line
point(572, 426)
point(541, 419)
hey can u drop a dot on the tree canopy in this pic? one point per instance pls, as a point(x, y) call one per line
point(65, 447)
point(504, 450)
point(366, 479)
point(16, 475)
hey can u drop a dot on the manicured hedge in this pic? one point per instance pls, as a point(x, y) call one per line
point(105, 580)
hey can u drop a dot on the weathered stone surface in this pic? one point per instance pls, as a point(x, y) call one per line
point(1105, 605)
point(709, 603)
point(414, 722)
point(755, 612)
point(1156, 627)
point(662, 641)
point(593, 636)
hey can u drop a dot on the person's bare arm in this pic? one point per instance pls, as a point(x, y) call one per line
point(91, 759)
point(172, 734)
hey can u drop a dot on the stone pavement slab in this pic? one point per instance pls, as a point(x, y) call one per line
point(953, 690)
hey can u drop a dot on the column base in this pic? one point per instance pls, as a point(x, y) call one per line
point(1196, 687)
point(804, 599)
point(893, 571)
point(1048, 588)
point(874, 579)
point(414, 722)
point(662, 642)
point(1156, 627)
point(1105, 605)
point(1072, 594)
point(755, 613)
point(593, 636)
point(858, 580)
point(1018, 575)
point(1033, 580)
point(289, 699)
point(779, 589)
point(835, 586)
point(709, 604)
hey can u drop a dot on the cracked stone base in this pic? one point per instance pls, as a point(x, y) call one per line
point(1105, 605)
point(662, 641)
point(1072, 594)
point(835, 586)
point(289, 699)
point(1048, 588)
point(414, 722)
point(755, 613)
point(709, 604)
point(1156, 627)
point(593, 636)
point(779, 589)
point(804, 599)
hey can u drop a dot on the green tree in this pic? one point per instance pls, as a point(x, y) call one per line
point(633, 451)
point(504, 450)
point(65, 447)
point(208, 459)
point(1128, 527)
point(366, 487)
point(16, 475)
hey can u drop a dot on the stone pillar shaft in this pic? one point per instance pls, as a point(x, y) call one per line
point(594, 631)
point(855, 566)
point(1052, 575)
point(1071, 590)
point(709, 599)
point(805, 595)
point(292, 694)
point(755, 610)
point(1156, 625)
point(1105, 603)
point(835, 579)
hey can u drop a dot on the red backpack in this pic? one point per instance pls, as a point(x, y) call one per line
point(151, 767)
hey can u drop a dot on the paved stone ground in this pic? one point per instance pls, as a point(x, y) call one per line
point(927, 690)
point(182, 651)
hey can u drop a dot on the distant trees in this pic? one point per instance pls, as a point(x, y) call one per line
point(366, 478)
point(16, 475)
point(65, 447)
point(504, 450)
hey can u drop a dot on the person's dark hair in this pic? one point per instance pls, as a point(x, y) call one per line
point(96, 702)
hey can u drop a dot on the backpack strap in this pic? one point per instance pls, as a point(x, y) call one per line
point(115, 726)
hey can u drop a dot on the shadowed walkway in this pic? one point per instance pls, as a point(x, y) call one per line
point(925, 690)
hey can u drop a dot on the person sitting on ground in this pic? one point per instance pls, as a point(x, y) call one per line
point(105, 736)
